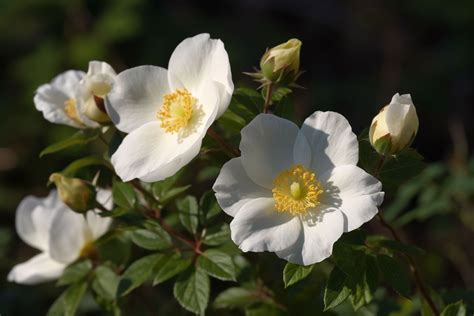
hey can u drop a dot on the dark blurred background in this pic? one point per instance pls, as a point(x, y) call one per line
point(356, 55)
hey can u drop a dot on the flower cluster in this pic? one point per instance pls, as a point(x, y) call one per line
point(289, 190)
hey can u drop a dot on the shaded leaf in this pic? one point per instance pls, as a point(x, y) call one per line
point(137, 273)
point(81, 137)
point(75, 272)
point(455, 309)
point(188, 213)
point(76, 165)
point(395, 274)
point(336, 290)
point(168, 266)
point(105, 283)
point(151, 240)
point(217, 264)
point(191, 290)
point(235, 297)
point(293, 273)
point(124, 195)
point(67, 303)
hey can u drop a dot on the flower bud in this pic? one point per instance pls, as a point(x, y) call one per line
point(282, 62)
point(395, 127)
point(78, 194)
point(97, 84)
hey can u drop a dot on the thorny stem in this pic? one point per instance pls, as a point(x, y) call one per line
point(234, 152)
point(268, 98)
point(411, 262)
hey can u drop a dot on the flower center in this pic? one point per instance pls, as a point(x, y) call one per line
point(177, 110)
point(295, 190)
point(70, 108)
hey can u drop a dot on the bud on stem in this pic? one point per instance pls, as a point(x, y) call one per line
point(77, 194)
point(395, 127)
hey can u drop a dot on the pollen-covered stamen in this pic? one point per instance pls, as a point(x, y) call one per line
point(177, 110)
point(70, 108)
point(295, 190)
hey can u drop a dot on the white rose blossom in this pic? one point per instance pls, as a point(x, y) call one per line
point(59, 233)
point(296, 191)
point(167, 112)
point(67, 98)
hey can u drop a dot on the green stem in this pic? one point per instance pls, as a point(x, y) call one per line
point(268, 98)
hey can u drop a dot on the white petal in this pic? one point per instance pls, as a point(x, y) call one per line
point(267, 147)
point(50, 98)
point(355, 192)
point(198, 60)
point(136, 97)
point(258, 226)
point(33, 219)
point(104, 196)
point(68, 234)
point(100, 67)
point(97, 224)
point(234, 188)
point(322, 227)
point(331, 140)
point(40, 268)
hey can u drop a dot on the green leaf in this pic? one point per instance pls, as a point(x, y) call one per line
point(188, 213)
point(400, 247)
point(168, 266)
point(81, 137)
point(235, 297)
point(455, 309)
point(371, 278)
point(217, 237)
point(401, 168)
point(137, 273)
point(192, 290)
point(76, 165)
point(336, 290)
point(217, 264)
point(75, 272)
point(105, 283)
point(67, 303)
point(151, 240)
point(395, 274)
point(124, 195)
point(165, 190)
point(173, 193)
point(293, 273)
point(208, 206)
point(349, 260)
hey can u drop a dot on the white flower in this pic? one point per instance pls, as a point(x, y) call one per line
point(167, 112)
point(395, 127)
point(295, 191)
point(59, 233)
point(67, 98)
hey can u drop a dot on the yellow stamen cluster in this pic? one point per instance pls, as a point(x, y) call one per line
point(70, 108)
point(295, 190)
point(177, 110)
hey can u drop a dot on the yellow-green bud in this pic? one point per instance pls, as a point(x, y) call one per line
point(395, 127)
point(282, 62)
point(78, 194)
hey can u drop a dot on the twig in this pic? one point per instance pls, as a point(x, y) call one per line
point(234, 152)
